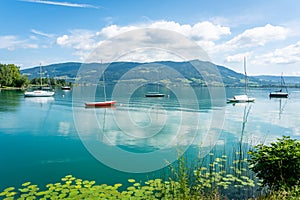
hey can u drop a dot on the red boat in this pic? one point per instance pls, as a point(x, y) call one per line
point(101, 104)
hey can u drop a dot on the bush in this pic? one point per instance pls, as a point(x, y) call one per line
point(278, 164)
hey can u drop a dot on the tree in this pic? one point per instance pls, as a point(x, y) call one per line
point(278, 164)
point(10, 76)
point(22, 82)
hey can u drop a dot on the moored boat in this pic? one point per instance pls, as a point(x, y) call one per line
point(104, 103)
point(39, 93)
point(66, 88)
point(154, 94)
point(280, 93)
point(42, 91)
point(100, 104)
point(242, 98)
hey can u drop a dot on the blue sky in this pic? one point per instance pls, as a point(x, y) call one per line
point(53, 31)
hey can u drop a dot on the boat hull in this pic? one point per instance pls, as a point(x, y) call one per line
point(278, 95)
point(66, 88)
point(154, 95)
point(240, 99)
point(39, 93)
point(101, 104)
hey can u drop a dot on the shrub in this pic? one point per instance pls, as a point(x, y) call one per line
point(278, 164)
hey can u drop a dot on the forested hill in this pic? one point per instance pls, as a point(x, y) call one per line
point(185, 71)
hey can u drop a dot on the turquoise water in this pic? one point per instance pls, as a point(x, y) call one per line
point(44, 139)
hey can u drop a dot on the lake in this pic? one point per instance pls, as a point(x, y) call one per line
point(45, 139)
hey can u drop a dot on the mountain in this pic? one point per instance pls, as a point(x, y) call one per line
point(275, 80)
point(168, 72)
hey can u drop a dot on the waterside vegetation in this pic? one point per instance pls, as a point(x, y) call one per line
point(10, 76)
point(249, 176)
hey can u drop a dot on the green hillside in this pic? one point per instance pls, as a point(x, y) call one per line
point(167, 72)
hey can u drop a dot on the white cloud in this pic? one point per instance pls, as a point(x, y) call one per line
point(11, 42)
point(258, 36)
point(286, 55)
point(208, 31)
point(237, 58)
point(114, 30)
point(40, 33)
point(203, 33)
point(78, 39)
point(199, 31)
point(207, 35)
point(56, 3)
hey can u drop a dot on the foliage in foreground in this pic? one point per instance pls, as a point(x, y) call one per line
point(282, 194)
point(204, 183)
point(212, 178)
point(72, 188)
point(278, 164)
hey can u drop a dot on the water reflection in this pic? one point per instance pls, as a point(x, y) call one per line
point(152, 126)
point(9, 100)
point(40, 100)
point(281, 105)
point(140, 126)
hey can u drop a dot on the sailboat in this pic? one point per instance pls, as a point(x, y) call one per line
point(40, 92)
point(242, 98)
point(280, 93)
point(155, 93)
point(104, 103)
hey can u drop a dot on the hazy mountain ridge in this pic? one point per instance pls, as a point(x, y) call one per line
point(170, 72)
point(276, 79)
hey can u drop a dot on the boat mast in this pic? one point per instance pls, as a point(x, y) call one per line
point(282, 83)
point(104, 84)
point(246, 78)
point(41, 81)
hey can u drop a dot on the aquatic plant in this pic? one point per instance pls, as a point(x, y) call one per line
point(215, 176)
point(212, 178)
point(282, 194)
point(202, 183)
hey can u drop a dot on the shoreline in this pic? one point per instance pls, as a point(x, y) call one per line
point(11, 88)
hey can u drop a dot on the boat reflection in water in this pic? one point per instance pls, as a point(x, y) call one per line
point(41, 100)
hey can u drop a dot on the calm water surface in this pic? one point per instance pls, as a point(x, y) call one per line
point(44, 139)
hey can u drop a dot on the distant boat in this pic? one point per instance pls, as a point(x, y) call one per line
point(101, 104)
point(66, 88)
point(39, 93)
point(280, 93)
point(154, 94)
point(242, 98)
point(104, 103)
point(42, 91)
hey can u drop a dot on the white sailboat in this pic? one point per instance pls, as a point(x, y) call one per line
point(40, 92)
point(244, 97)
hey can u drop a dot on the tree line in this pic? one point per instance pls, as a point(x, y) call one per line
point(10, 76)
